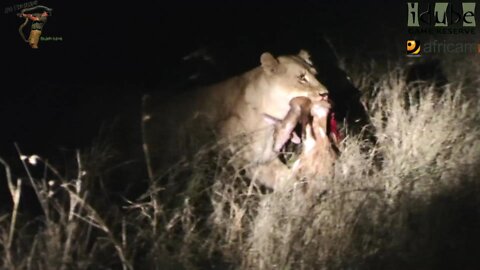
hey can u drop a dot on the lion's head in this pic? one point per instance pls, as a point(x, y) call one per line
point(288, 77)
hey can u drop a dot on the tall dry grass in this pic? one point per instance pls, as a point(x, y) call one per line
point(407, 202)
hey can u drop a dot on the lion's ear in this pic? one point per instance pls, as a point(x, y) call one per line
point(269, 63)
point(305, 55)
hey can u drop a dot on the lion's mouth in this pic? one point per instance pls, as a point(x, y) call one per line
point(291, 150)
point(319, 110)
point(323, 97)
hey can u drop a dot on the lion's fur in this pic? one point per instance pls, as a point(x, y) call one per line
point(231, 108)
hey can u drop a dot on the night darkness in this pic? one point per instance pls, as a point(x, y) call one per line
point(66, 94)
point(61, 93)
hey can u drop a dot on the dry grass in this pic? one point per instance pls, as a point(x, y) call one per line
point(408, 202)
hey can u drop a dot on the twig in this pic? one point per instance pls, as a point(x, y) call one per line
point(15, 192)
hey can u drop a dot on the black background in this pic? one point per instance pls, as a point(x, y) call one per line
point(110, 54)
point(58, 97)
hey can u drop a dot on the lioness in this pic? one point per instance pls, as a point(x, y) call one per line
point(232, 108)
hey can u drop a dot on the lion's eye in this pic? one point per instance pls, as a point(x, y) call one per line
point(303, 78)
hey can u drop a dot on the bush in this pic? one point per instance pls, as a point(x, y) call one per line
point(407, 202)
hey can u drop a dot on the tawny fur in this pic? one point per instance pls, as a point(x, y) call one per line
point(231, 108)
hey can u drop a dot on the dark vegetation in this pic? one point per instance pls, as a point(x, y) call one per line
point(75, 193)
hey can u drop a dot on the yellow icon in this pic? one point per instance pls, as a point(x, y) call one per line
point(38, 16)
point(413, 48)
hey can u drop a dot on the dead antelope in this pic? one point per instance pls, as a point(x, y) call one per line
point(318, 136)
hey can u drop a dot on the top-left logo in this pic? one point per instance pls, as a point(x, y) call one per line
point(37, 15)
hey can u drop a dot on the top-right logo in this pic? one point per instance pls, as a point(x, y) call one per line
point(441, 14)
